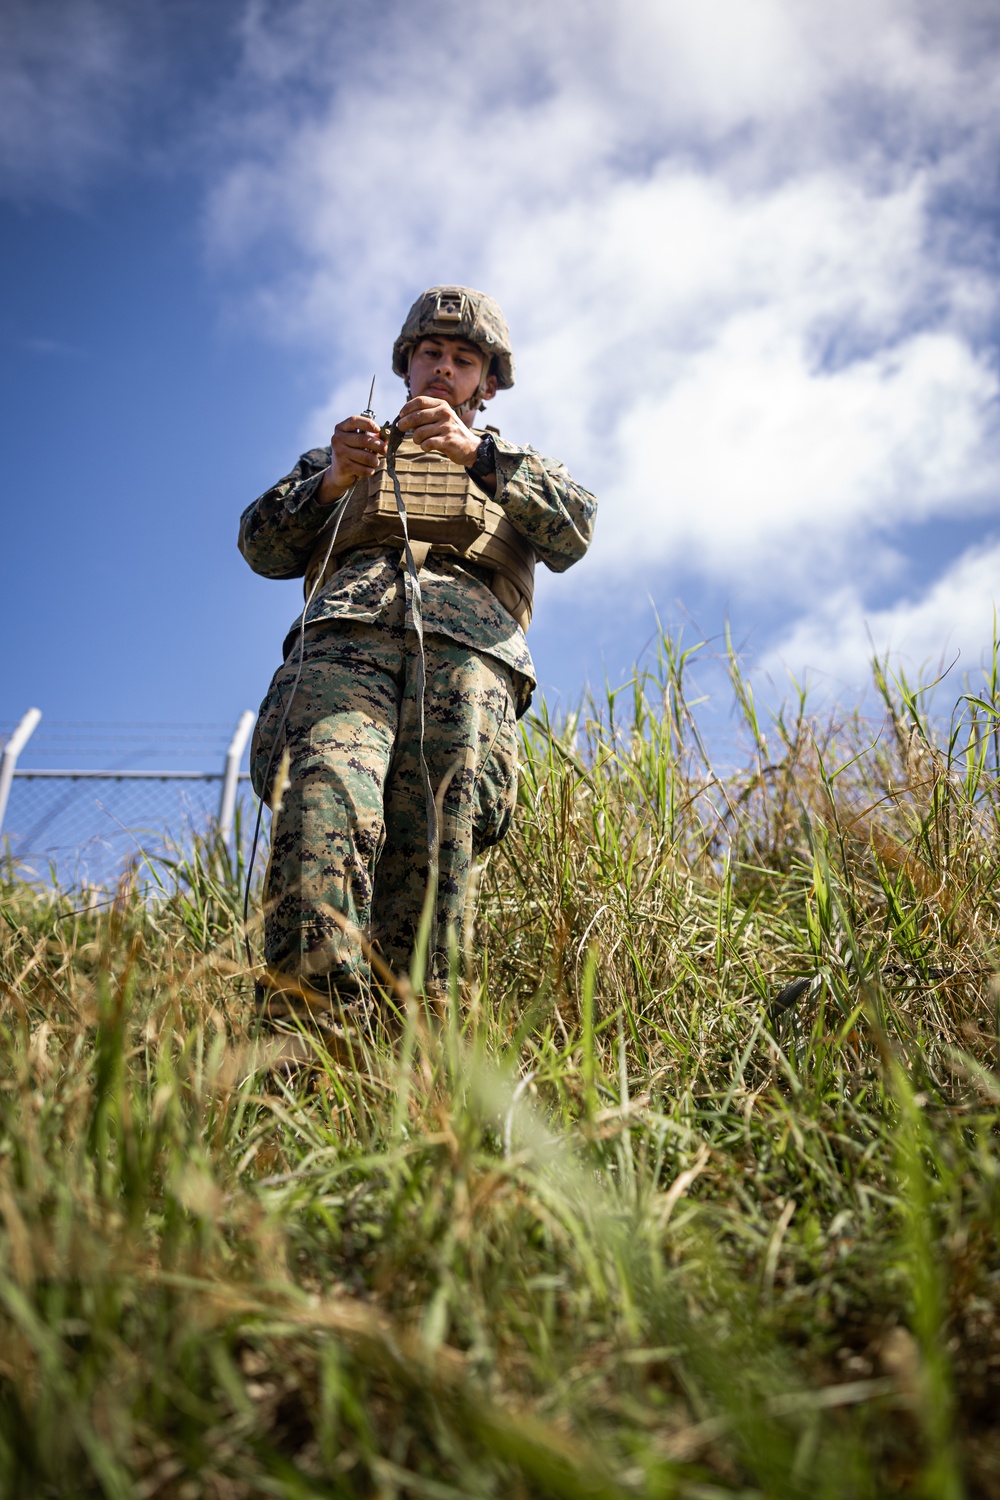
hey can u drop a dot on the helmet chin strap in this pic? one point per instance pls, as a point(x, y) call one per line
point(474, 403)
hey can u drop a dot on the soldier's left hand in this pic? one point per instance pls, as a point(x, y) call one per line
point(436, 427)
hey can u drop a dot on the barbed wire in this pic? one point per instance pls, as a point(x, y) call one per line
point(137, 726)
point(168, 724)
point(90, 737)
point(38, 739)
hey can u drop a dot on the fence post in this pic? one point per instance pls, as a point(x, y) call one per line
point(227, 804)
point(8, 760)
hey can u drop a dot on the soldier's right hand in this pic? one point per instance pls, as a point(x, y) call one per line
point(356, 450)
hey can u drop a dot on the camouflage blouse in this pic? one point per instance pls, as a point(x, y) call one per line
point(278, 532)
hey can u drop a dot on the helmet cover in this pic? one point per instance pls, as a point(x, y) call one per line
point(458, 312)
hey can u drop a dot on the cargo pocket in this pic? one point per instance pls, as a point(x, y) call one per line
point(265, 751)
point(495, 792)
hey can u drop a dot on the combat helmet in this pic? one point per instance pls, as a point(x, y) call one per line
point(458, 312)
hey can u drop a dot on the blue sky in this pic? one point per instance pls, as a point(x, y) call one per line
point(747, 250)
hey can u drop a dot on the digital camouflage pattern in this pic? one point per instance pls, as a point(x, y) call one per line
point(556, 515)
point(458, 312)
point(350, 838)
point(349, 843)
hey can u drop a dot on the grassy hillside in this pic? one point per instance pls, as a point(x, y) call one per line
point(644, 1217)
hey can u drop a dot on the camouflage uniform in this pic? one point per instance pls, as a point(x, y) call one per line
point(349, 845)
point(356, 796)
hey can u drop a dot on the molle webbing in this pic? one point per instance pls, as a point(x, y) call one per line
point(446, 510)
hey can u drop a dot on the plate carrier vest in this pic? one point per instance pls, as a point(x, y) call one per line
point(446, 512)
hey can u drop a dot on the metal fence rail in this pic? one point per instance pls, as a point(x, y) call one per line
point(81, 824)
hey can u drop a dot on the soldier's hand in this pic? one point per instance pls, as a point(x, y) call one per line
point(356, 450)
point(437, 428)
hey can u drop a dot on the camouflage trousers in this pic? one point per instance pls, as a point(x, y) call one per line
point(349, 840)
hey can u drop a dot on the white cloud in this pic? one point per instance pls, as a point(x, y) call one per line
point(741, 248)
point(750, 351)
point(752, 460)
point(744, 251)
point(950, 624)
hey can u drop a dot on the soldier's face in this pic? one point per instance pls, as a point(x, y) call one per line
point(447, 368)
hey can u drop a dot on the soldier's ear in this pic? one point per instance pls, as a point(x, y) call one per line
point(490, 388)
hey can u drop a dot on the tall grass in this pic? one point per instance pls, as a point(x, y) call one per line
point(695, 1192)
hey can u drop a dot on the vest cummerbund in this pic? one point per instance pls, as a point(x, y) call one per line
point(446, 510)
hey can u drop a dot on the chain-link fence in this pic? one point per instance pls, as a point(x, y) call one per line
point(78, 800)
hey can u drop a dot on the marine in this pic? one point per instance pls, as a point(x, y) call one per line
point(392, 719)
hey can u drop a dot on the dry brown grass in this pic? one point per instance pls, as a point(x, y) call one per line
point(618, 1227)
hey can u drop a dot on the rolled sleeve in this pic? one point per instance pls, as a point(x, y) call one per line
point(547, 506)
point(278, 531)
